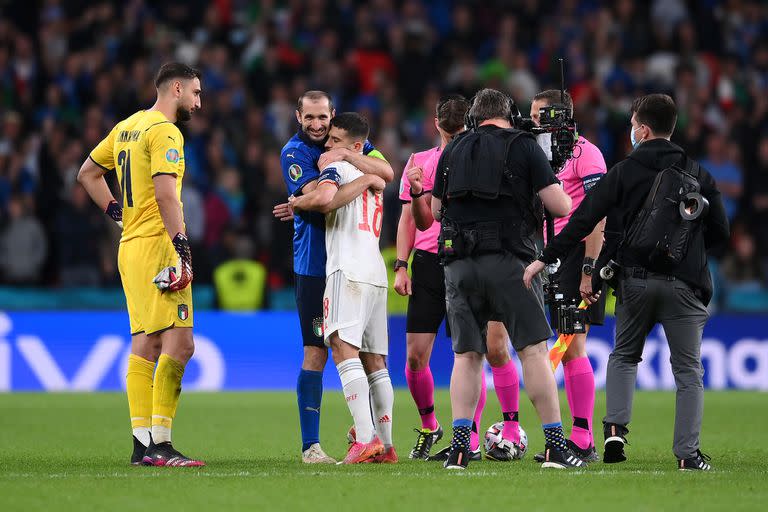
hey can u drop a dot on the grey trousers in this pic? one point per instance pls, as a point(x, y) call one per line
point(643, 304)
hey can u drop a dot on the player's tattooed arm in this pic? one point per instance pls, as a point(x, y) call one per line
point(91, 177)
point(367, 164)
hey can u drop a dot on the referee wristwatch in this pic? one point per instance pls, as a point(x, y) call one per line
point(401, 264)
point(588, 267)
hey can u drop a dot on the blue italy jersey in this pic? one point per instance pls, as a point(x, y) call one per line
point(299, 162)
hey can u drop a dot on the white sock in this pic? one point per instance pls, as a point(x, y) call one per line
point(356, 393)
point(382, 400)
point(142, 434)
point(160, 434)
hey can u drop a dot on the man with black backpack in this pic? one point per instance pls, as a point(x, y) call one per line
point(669, 212)
point(488, 183)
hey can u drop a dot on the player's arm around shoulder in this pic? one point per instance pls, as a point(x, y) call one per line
point(371, 161)
point(319, 199)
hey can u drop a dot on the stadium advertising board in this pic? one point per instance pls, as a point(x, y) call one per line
point(65, 351)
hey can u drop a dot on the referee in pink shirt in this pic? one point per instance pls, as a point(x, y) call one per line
point(426, 288)
point(578, 176)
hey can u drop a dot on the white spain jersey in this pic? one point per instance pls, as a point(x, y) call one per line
point(352, 231)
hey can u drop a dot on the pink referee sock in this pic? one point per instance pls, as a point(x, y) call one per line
point(580, 389)
point(422, 387)
point(474, 440)
point(507, 385)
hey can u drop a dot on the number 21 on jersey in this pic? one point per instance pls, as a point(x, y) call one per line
point(124, 161)
point(378, 214)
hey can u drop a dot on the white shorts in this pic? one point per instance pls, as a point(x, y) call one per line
point(357, 311)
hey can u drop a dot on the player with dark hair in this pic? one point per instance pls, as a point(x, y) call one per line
point(154, 259)
point(301, 159)
point(355, 298)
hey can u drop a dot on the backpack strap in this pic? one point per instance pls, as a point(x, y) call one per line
point(692, 167)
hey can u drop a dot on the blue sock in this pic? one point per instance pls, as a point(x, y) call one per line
point(309, 390)
point(553, 435)
point(462, 429)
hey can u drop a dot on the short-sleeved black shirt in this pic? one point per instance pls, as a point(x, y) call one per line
point(525, 160)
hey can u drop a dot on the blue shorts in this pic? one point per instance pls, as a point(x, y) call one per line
point(309, 303)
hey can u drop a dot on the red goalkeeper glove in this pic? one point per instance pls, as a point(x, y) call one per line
point(178, 277)
point(115, 211)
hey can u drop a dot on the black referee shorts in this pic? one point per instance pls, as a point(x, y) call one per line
point(569, 278)
point(426, 305)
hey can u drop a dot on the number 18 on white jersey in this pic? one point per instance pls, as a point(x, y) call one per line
point(352, 231)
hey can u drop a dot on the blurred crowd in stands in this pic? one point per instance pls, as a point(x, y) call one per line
point(70, 69)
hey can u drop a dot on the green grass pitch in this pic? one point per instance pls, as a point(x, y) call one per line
point(70, 452)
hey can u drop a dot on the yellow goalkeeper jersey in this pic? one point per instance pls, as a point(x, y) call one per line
point(141, 147)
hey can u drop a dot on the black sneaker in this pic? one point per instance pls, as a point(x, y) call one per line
point(137, 458)
point(588, 455)
point(697, 463)
point(559, 459)
point(424, 442)
point(442, 455)
point(504, 451)
point(164, 454)
point(613, 451)
point(458, 458)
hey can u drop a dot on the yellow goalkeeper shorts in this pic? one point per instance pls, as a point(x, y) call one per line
point(150, 310)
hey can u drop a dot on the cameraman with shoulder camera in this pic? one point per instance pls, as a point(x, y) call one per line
point(670, 212)
point(574, 276)
point(485, 197)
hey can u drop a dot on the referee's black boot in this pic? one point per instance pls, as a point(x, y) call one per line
point(614, 443)
point(700, 462)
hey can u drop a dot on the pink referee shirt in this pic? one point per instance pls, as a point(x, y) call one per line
point(578, 176)
point(427, 160)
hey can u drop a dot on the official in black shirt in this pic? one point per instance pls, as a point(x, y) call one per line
point(676, 297)
point(485, 196)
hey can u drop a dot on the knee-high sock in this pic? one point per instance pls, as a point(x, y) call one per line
point(309, 393)
point(422, 387)
point(507, 385)
point(478, 418)
point(138, 386)
point(382, 400)
point(165, 397)
point(357, 395)
point(580, 389)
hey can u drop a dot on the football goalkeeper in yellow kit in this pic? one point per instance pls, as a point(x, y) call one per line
point(155, 263)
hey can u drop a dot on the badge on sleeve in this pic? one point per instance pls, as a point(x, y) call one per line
point(172, 155)
point(295, 172)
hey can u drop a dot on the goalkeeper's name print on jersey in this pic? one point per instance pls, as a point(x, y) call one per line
point(139, 148)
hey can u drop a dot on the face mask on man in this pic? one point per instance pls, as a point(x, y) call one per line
point(635, 143)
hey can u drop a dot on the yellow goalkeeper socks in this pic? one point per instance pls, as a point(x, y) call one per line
point(138, 384)
point(165, 397)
